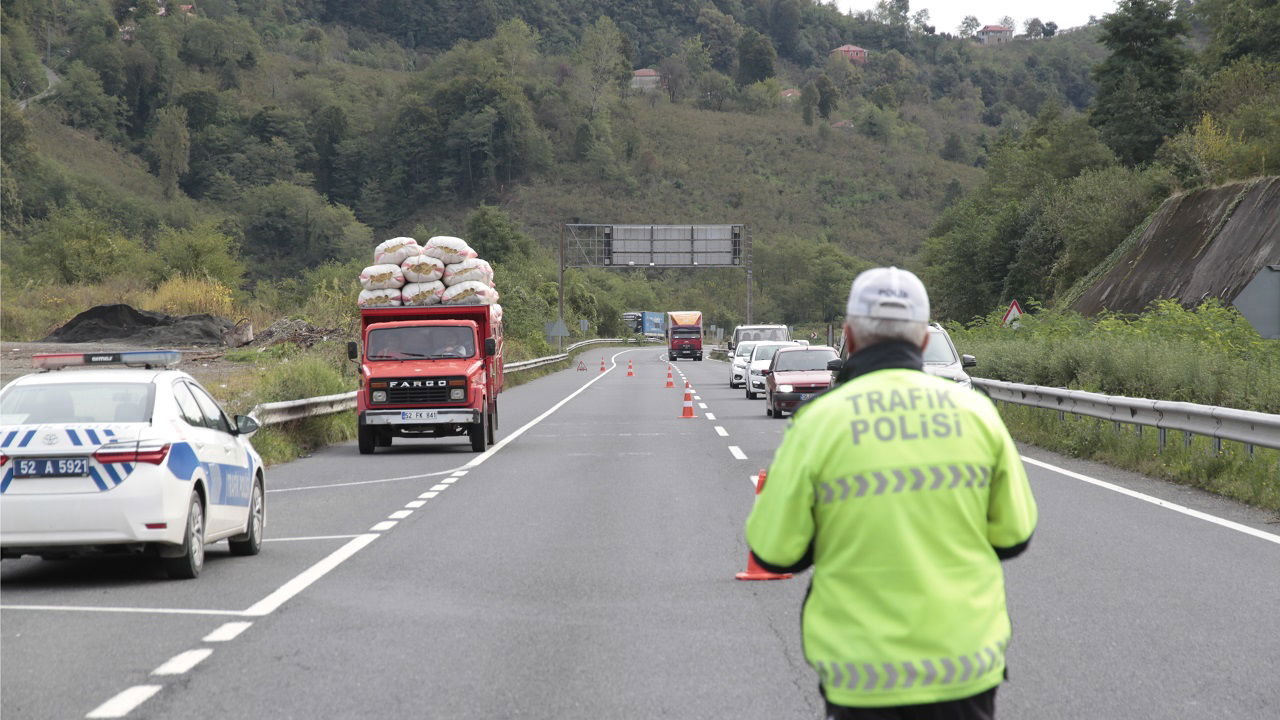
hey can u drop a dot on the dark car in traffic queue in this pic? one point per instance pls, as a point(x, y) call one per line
point(795, 375)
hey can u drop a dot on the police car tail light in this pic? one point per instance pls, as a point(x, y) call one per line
point(137, 358)
point(3, 458)
point(141, 452)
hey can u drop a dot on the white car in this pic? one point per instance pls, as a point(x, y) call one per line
point(738, 364)
point(761, 354)
point(125, 460)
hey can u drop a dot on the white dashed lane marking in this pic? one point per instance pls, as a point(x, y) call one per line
point(702, 406)
point(125, 702)
point(383, 526)
point(399, 514)
point(416, 504)
point(438, 488)
point(737, 452)
point(428, 495)
point(710, 416)
point(182, 662)
point(721, 431)
point(228, 631)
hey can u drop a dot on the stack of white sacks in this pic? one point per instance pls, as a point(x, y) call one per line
point(445, 271)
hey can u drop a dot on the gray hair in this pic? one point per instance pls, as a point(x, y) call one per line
point(871, 331)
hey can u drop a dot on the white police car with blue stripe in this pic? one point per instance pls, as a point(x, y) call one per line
point(136, 459)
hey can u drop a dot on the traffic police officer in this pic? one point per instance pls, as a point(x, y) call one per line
point(903, 491)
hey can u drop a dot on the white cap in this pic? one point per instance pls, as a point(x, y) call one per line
point(888, 294)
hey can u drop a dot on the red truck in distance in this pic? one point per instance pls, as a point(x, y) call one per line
point(684, 335)
point(428, 372)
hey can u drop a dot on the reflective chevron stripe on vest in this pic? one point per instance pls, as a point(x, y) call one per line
point(877, 677)
point(932, 477)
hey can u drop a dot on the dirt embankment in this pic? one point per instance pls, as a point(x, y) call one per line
point(1202, 244)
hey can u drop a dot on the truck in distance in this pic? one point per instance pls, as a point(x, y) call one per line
point(684, 334)
point(428, 372)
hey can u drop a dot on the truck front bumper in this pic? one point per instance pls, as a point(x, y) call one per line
point(425, 416)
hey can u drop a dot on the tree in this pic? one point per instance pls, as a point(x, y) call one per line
point(602, 62)
point(953, 148)
point(720, 33)
point(171, 147)
point(1033, 28)
point(675, 76)
point(287, 227)
point(784, 25)
point(809, 101)
point(1141, 98)
point(969, 26)
point(756, 57)
point(496, 236)
point(87, 105)
point(1009, 22)
point(1050, 29)
point(828, 96)
point(200, 251)
point(714, 89)
point(1238, 28)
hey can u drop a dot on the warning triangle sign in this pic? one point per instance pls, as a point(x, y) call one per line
point(582, 367)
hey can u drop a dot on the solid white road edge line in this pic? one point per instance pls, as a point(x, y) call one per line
point(479, 459)
point(311, 537)
point(1260, 534)
point(721, 431)
point(227, 631)
point(737, 452)
point(360, 482)
point(123, 703)
point(182, 662)
point(302, 580)
point(139, 610)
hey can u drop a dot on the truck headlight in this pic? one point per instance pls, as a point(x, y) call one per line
point(379, 396)
point(785, 388)
point(458, 394)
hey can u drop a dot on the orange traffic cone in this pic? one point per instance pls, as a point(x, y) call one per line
point(630, 371)
point(601, 364)
point(688, 404)
point(670, 382)
point(754, 571)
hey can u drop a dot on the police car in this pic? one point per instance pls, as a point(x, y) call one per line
point(125, 459)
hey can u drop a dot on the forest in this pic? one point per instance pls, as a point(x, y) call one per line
point(244, 157)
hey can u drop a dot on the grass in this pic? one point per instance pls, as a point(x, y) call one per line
point(1232, 473)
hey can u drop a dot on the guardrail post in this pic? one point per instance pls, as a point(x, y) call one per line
point(1163, 435)
point(1186, 439)
point(1217, 445)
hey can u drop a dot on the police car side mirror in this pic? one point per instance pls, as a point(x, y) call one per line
point(246, 425)
point(353, 350)
point(834, 365)
point(490, 347)
point(968, 361)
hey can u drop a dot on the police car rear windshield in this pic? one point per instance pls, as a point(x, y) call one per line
point(802, 360)
point(40, 404)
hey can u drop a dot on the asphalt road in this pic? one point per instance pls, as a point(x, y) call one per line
point(583, 568)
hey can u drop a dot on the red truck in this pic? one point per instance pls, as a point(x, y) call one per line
point(684, 334)
point(428, 372)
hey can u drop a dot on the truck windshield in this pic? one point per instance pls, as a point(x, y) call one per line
point(417, 343)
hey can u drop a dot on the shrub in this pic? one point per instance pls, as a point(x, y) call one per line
point(187, 295)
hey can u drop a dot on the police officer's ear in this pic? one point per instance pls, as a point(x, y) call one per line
point(925, 343)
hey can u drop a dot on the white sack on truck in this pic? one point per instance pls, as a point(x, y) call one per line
point(422, 294)
point(382, 277)
point(470, 293)
point(422, 269)
point(449, 249)
point(379, 298)
point(396, 250)
point(495, 313)
point(473, 270)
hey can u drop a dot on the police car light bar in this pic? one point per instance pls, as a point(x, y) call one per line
point(136, 358)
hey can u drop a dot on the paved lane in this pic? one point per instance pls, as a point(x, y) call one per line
point(585, 569)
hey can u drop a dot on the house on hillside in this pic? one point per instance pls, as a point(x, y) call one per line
point(646, 80)
point(995, 34)
point(856, 55)
point(790, 95)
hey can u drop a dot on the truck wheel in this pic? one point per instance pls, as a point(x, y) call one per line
point(477, 431)
point(365, 439)
point(671, 357)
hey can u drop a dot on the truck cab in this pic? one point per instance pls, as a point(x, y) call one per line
point(428, 372)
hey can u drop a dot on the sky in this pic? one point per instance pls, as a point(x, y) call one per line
point(947, 14)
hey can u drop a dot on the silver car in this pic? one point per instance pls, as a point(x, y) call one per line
point(738, 364)
point(940, 358)
point(760, 357)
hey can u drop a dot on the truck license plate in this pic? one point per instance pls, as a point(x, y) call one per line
point(51, 467)
point(410, 415)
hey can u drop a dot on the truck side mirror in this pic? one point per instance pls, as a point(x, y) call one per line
point(353, 350)
point(490, 346)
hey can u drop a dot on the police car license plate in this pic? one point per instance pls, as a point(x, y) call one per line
point(411, 415)
point(51, 467)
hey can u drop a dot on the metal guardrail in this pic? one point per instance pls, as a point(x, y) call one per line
point(275, 413)
point(1219, 423)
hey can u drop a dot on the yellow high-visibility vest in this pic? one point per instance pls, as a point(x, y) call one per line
point(905, 484)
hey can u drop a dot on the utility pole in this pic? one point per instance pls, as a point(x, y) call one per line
point(560, 340)
point(749, 278)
